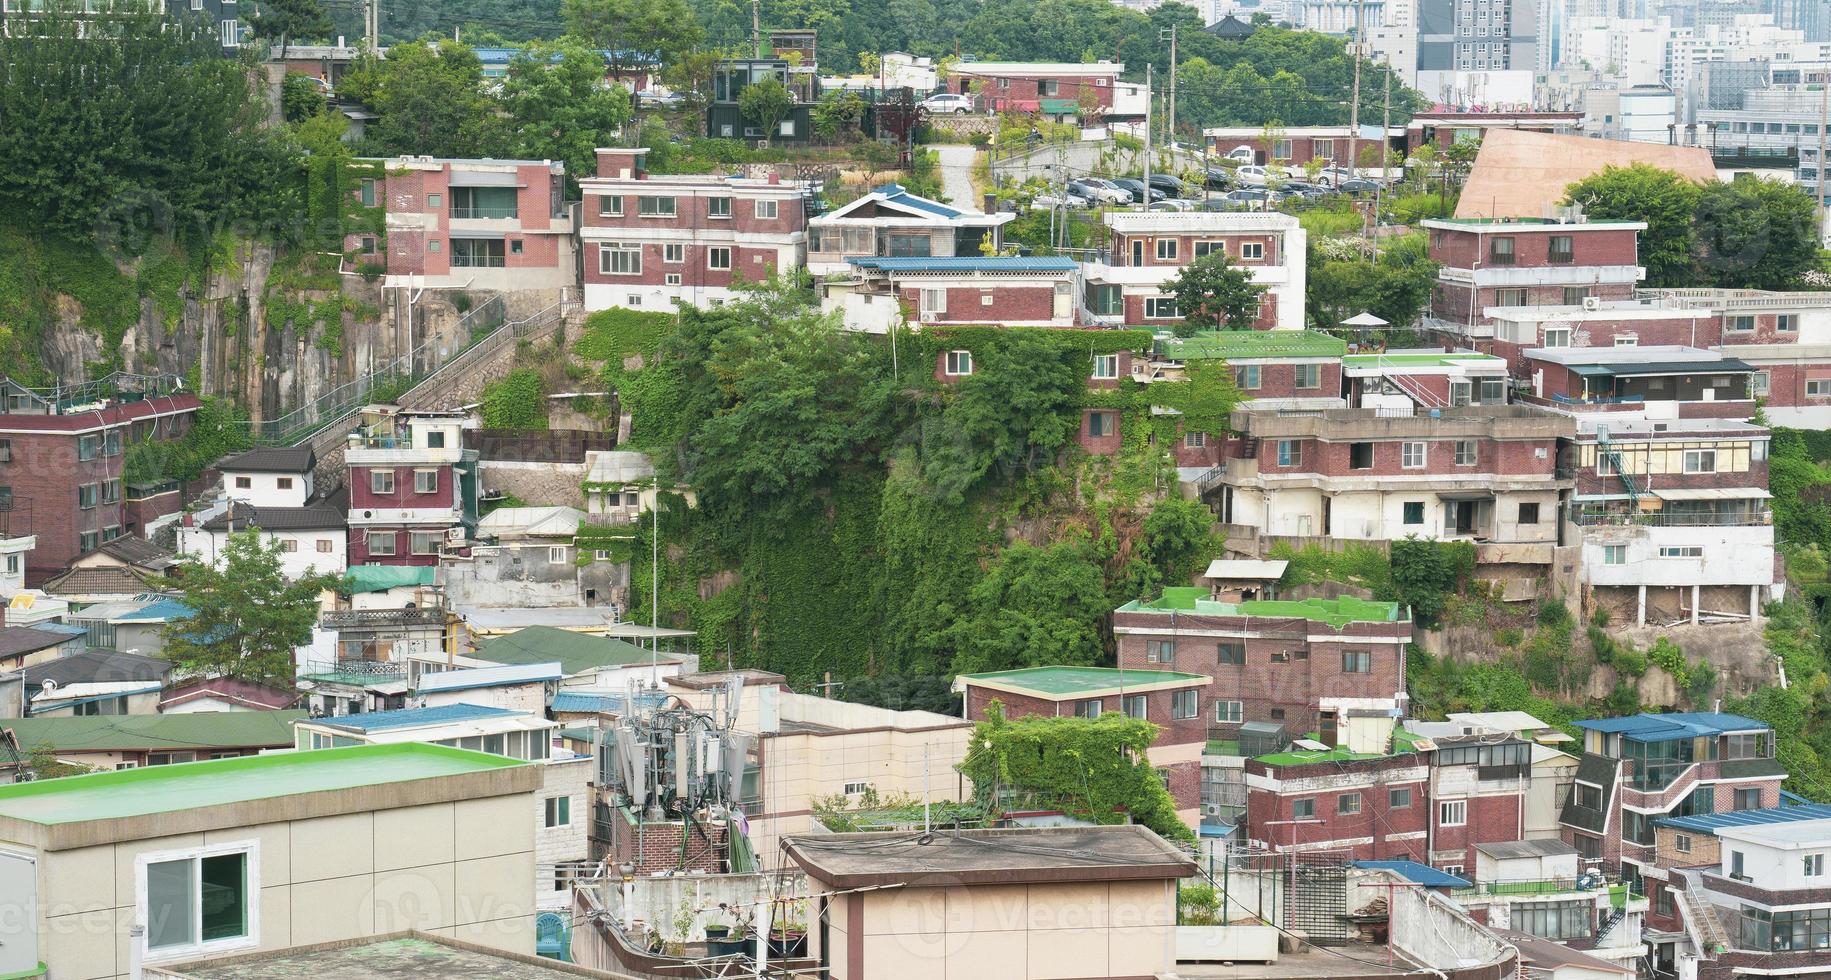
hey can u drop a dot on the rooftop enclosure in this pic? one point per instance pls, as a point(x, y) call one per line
point(1335, 612)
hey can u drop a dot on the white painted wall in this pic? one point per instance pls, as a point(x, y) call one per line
point(1732, 556)
point(303, 559)
point(267, 489)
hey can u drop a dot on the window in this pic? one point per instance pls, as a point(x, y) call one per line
point(101, 706)
point(559, 811)
point(1106, 366)
point(1738, 866)
point(615, 259)
point(1303, 809)
point(1685, 551)
point(433, 245)
point(87, 447)
point(1308, 375)
point(1195, 440)
point(6, 450)
point(1356, 662)
point(1186, 704)
point(477, 253)
point(381, 542)
point(1465, 452)
point(663, 207)
point(289, 546)
point(1230, 654)
point(1166, 249)
point(86, 495)
point(425, 542)
point(1818, 387)
point(1246, 377)
point(959, 362)
point(1414, 512)
point(1229, 712)
point(425, 481)
point(111, 491)
point(1614, 554)
point(858, 788)
point(1209, 248)
point(1748, 799)
point(610, 206)
point(86, 541)
point(198, 901)
point(766, 210)
point(1554, 920)
point(1786, 322)
point(1252, 250)
point(1047, 87)
point(1500, 252)
point(1101, 424)
point(1348, 804)
point(1160, 308)
point(909, 246)
point(111, 442)
point(1411, 455)
point(1528, 513)
point(367, 193)
point(326, 546)
point(1510, 297)
point(556, 555)
point(1106, 300)
point(1557, 336)
point(718, 257)
point(1681, 843)
point(381, 481)
point(1290, 452)
point(482, 202)
point(1323, 148)
point(1588, 847)
point(1087, 709)
point(1813, 866)
point(1452, 813)
point(674, 254)
point(1589, 797)
point(1700, 461)
point(931, 301)
point(1560, 251)
point(1739, 324)
point(1398, 799)
point(1575, 295)
point(1160, 651)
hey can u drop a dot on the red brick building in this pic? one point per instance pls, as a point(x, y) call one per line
point(1011, 291)
point(413, 489)
point(1148, 248)
point(1362, 799)
point(651, 240)
point(1017, 86)
point(1598, 323)
point(62, 462)
point(1445, 128)
point(1512, 262)
point(477, 224)
point(1297, 145)
point(1275, 661)
point(1166, 698)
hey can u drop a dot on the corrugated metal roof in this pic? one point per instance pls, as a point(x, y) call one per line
point(375, 721)
point(1673, 725)
point(898, 194)
point(1511, 849)
point(467, 678)
point(1423, 874)
point(1710, 823)
point(164, 610)
point(968, 263)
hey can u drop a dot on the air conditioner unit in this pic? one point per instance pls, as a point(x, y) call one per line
point(1592, 303)
point(930, 316)
point(455, 535)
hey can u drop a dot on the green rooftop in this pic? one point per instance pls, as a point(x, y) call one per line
point(1335, 612)
point(1064, 682)
point(1445, 359)
point(1402, 741)
point(575, 652)
point(200, 731)
point(1243, 344)
point(381, 578)
point(220, 782)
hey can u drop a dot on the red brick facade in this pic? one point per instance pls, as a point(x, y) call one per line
point(1376, 829)
point(424, 194)
point(1022, 88)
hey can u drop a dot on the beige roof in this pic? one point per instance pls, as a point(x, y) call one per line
point(1521, 174)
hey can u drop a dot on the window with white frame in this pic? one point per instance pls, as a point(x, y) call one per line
point(1290, 452)
point(1209, 248)
point(1759, 382)
point(1160, 651)
point(673, 254)
point(425, 542)
point(1627, 340)
point(1452, 813)
point(1557, 336)
point(1089, 708)
point(663, 207)
point(1786, 322)
point(1229, 712)
point(1160, 308)
point(620, 259)
point(1813, 866)
point(1252, 250)
point(202, 900)
point(1614, 554)
point(559, 811)
point(1106, 367)
point(1411, 455)
point(1700, 461)
point(1465, 452)
point(1681, 551)
point(1739, 324)
point(381, 481)
point(1818, 387)
point(857, 788)
point(1308, 375)
point(766, 210)
point(1166, 249)
point(1304, 809)
point(932, 301)
point(556, 554)
point(610, 206)
point(1195, 440)
point(1185, 704)
point(1348, 804)
point(718, 257)
point(1246, 377)
point(380, 542)
point(959, 363)
point(425, 481)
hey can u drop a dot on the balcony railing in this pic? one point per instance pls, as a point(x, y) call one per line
point(355, 671)
point(1660, 519)
point(381, 618)
point(486, 212)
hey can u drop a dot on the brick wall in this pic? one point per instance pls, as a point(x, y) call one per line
point(1507, 458)
point(1279, 380)
point(1110, 439)
point(1531, 246)
point(1030, 302)
point(1451, 301)
point(1380, 831)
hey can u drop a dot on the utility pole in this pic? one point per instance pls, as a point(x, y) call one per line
point(1379, 185)
point(1824, 94)
point(1170, 129)
point(371, 25)
point(1354, 104)
point(756, 29)
point(1147, 137)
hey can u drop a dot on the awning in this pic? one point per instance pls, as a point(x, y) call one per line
point(1060, 107)
point(484, 178)
point(1467, 495)
point(1714, 493)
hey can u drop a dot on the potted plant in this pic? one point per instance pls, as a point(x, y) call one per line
point(788, 938)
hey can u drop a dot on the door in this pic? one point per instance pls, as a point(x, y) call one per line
point(1465, 517)
point(1064, 301)
point(19, 926)
point(1325, 515)
point(1137, 251)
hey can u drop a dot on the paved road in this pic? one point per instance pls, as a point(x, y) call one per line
point(957, 175)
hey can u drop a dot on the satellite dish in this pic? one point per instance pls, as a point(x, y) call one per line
point(48, 685)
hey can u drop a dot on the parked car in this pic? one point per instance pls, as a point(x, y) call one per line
point(1171, 185)
point(1172, 204)
point(945, 102)
point(1138, 190)
point(1050, 200)
point(1088, 196)
point(1218, 178)
point(1241, 153)
point(1246, 198)
point(1358, 186)
point(660, 100)
point(1100, 189)
point(1252, 176)
point(1303, 188)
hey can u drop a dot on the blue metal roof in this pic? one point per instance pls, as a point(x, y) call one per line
point(1710, 823)
point(898, 194)
point(1673, 725)
point(579, 701)
point(968, 263)
point(375, 721)
point(161, 611)
point(1423, 874)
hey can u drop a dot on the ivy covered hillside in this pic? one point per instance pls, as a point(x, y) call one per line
point(855, 514)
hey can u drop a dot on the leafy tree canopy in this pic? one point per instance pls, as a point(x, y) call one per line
point(1661, 198)
point(246, 617)
point(1214, 294)
point(1036, 607)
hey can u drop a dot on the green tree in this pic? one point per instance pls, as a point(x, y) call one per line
point(43, 762)
point(301, 98)
point(429, 99)
point(559, 107)
point(517, 400)
point(286, 21)
point(1667, 202)
point(634, 32)
point(837, 115)
point(1459, 159)
point(1014, 413)
point(1097, 769)
point(1755, 234)
point(1394, 288)
point(246, 617)
point(1214, 294)
point(765, 103)
point(1036, 607)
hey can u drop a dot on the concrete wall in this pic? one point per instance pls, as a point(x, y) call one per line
point(461, 869)
point(566, 842)
point(540, 484)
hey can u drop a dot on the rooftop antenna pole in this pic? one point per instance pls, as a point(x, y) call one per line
point(654, 601)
